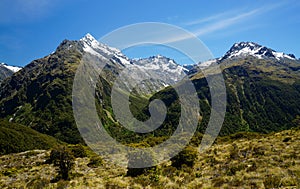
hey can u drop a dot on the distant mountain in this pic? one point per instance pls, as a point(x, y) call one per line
point(154, 67)
point(194, 68)
point(162, 65)
point(12, 68)
point(6, 70)
point(263, 87)
point(244, 49)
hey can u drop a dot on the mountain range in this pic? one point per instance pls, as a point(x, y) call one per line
point(262, 88)
point(254, 49)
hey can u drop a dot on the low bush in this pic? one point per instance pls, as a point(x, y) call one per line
point(186, 157)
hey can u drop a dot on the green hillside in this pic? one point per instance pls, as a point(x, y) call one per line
point(18, 138)
point(241, 160)
point(262, 96)
point(39, 96)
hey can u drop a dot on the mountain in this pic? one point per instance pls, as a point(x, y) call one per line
point(4, 72)
point(262, 90)
point(257, 85)
point(7, 70)
point(166, 70)
point(39, 95)
point(244, 49)
point(163, 66)
point(12, 68)
point(194, 68)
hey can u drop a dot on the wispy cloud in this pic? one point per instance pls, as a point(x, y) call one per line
point(221, 21)
point(209, 18)
point(215, 26)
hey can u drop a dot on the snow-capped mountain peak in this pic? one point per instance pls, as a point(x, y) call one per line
point(92, 46)
point(242, 49)
point(159, 67)
point(90, 42)
point(88, 37)
point(12, 68)
point(161, 59)
point(160, 63)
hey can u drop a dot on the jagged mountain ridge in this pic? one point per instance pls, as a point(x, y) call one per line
point(163, 71)
point(12, 68)
point(92, 46)
point(243, 49)
point(7, 70)
point(4, 72)
point(39, 95)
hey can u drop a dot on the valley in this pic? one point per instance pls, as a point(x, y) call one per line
point(257, 147)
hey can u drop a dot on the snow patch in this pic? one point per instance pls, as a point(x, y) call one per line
point(207, 63)
point(12, 68)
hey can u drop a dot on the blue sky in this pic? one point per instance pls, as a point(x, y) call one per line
point(33, 29)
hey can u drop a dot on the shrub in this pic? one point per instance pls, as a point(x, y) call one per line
point(95, 161)
point(286, 139)
point(234, 152)
point(63, 158)
point(259, 151)
point(78, 151)
point(139, 159)
point(252, 167)
point(272, 181)
point(196, 139)
point(186, 157)
point(232, 169)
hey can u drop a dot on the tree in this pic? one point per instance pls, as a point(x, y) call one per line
point(63, 158)
point(78, 151)
point(187, 157)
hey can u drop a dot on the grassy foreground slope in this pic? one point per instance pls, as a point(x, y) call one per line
point(18, 138)
point(242, 160)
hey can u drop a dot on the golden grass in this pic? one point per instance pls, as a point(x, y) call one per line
point(269, 161)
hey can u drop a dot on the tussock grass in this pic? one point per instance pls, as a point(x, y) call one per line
point(257, 161)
